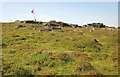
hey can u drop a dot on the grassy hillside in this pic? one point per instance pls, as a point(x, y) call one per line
point(70, 51)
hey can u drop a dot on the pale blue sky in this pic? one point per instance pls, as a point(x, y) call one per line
point(71, 12)
point(59, 0)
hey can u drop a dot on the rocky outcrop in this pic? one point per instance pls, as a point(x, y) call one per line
point(52, 23)
point(58, 24)
point(95, 25)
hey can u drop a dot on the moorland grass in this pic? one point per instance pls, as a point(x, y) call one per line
point(67, 52)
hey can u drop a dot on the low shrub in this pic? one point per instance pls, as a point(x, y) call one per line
point(85, 66)
point(22, 71)
point(66, 57)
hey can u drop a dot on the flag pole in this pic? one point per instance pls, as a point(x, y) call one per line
point(34, 17)
point(33, 11)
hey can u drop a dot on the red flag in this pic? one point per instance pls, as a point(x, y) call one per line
point(33, 11)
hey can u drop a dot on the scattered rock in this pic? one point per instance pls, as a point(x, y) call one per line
point(20, 26)
point(81, 32)
point(97, 42)
point(22, 38)
point(93, 72)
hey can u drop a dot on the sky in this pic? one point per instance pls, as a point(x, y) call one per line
point(71, 12)
point(59, 0)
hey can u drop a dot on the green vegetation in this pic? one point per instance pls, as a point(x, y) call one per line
point(62, 52)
